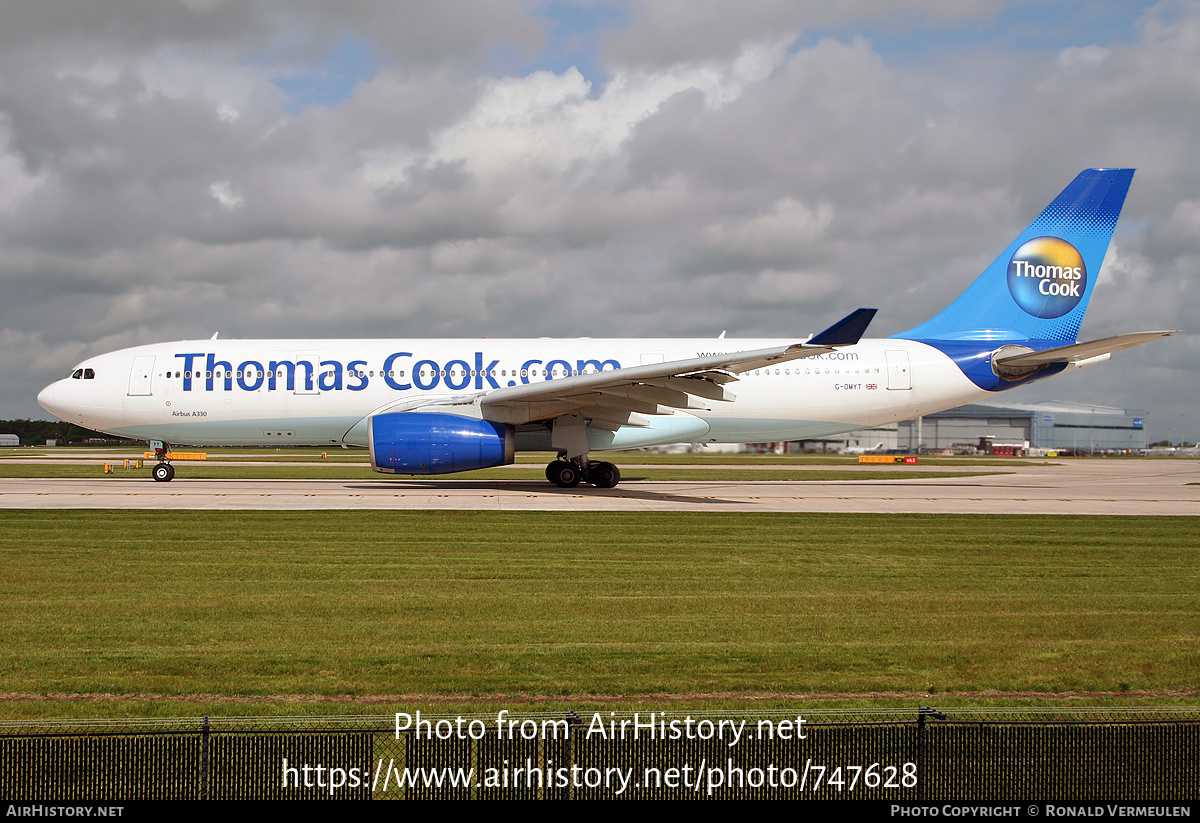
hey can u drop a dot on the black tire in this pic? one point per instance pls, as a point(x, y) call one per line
point(163, 472)
point(604, 475)
point(566, 474)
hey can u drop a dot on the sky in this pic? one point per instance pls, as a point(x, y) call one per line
point(648, 168)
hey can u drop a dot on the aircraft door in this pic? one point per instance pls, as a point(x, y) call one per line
point(899, 376)
point(308, 364)
point(140, 374)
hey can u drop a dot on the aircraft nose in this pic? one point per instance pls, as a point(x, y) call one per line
point(48, 399)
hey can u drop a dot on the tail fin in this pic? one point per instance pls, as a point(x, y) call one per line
point(1038, 288)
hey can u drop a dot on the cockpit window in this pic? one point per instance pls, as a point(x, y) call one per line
point(77, 374)
point(89, 374)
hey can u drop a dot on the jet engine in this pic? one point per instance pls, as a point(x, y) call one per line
point(434, 443)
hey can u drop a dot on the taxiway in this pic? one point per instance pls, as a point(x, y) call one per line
point(1088, 486)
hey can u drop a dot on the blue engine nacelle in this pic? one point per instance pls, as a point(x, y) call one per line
point(431, 443)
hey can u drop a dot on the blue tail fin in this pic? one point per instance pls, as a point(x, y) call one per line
point(1038, 288)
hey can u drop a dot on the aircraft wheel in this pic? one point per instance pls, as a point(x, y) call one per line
point(563, 474)
point(164, 472)
point(604, 475)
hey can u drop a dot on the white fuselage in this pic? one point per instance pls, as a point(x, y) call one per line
point(321, 392)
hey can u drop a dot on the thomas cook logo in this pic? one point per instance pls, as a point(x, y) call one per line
point(1046, 277)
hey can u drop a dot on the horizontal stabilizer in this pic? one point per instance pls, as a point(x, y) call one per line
point(1082, 351)
point(845, 332)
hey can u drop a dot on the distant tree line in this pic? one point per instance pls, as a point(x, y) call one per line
point(37, 432)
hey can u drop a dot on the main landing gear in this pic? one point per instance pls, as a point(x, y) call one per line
point(567, 474)
point(568, 436)
point(163, 471)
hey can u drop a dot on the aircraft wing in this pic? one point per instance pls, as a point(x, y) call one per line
point(1082, 351)
point(611, 399)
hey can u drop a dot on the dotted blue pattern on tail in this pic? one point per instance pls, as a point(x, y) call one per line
point(1023, 296)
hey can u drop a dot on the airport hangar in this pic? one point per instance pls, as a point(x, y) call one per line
point(1057, 425)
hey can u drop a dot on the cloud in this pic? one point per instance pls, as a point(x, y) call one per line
point(762, 169)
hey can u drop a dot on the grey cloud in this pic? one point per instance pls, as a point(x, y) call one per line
point(411, 32)
point(683, 197)
point(670, 31)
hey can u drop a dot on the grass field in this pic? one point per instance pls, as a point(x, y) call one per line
point(526, 606)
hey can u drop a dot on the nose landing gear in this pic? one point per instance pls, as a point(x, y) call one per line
point(163, 471)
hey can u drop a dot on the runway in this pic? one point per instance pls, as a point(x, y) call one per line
point(1092, 486)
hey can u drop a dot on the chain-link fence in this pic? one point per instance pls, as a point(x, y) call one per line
point(904, 755)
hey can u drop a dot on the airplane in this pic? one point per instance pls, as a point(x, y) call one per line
point(876, 449)
point(426, 407)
